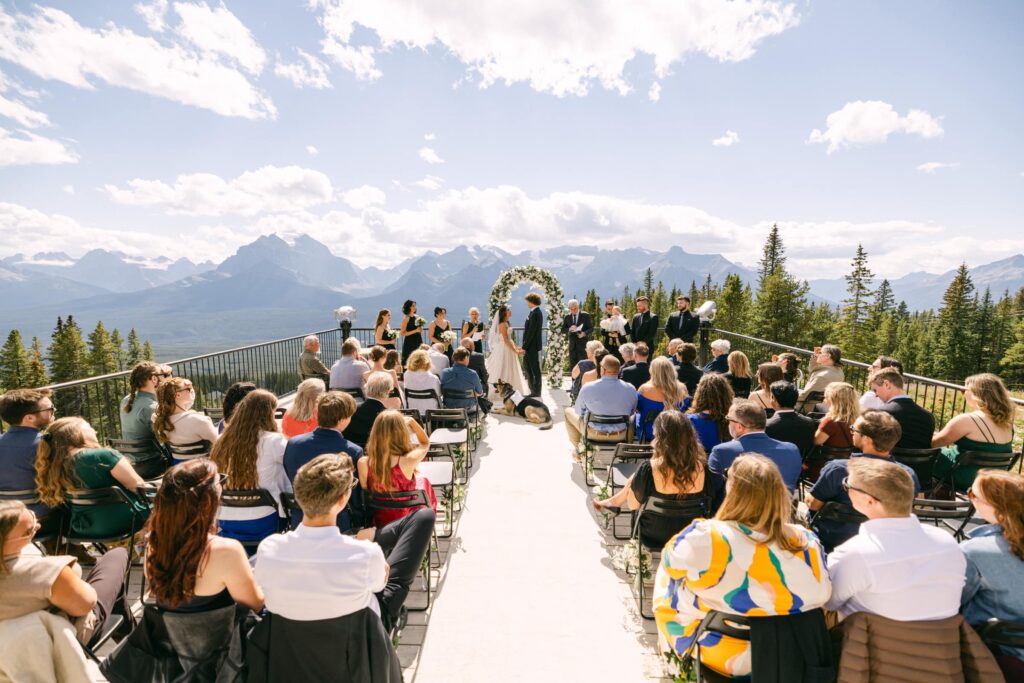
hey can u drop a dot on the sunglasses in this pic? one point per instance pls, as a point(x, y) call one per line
point(51, 409)
point(848, 488)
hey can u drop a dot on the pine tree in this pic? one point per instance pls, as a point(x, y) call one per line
point(102, 356)
point(648, 283)
point(694, 295)
point(660, 303)
point(14, 363)
point(592, 305)
point(984, 324)
point(118, 343)
point(778, 311)
point(37, 375)
point(955, 337)
point(628, 303)
point(1002, 332)
point(1012, 364)
point(733, 305)
point(886, 336)
point(854, 334)
point(68, 354)
point(821, 326)
point(773, 258)
point(147, 351)
point(134, 352)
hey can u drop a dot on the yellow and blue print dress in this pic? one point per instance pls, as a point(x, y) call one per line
point(724, 566)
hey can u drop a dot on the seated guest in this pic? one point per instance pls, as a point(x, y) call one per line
point(347, 372)
point(790, 364)
point(662, 389)
point(310, 365)
point(378, 388)
point(608, 396)
point(333, 413)
point(315, 572)
point(843, 410)
point(995, 553)
point(917, 423)
point(28, 412)
point(749, 560)
point(69, 458)
point(746, 426)
point(138, 406)
point(895, 566)
point(677, 471)
point(720, 356)
point(189, 567)
point(459, 378)
point(391, 463)
point(767, 374)
point(251, 455)
point(824, 369)
point(377, 357)
point(870, 401)
point(739, 374)
point(300, 417)
point(787, 424)
point(710, 409)
point(477, 362)
point(438, 358)
point(393, 363)
point(987, 428)
point(686, 369)
point(672, 350)
point(420, 377)
point(628, 353)
point(874, 435)
point(232, 397)
point(30, 582)
point(640, 371)
point(595, 374)
point(174, 421)
point(584, 366)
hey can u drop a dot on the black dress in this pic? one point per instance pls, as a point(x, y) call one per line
point(655, 530)
point(412, 342)
point(387, 345)
point(472, 329)
point(437, 339)
point(740, 385)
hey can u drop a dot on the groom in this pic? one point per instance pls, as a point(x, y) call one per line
point(531, 343)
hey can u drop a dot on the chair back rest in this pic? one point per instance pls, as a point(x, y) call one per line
point(458, 393)
point(595, 419)
point(838, 512)
point(447, 416)
point(26, 496)
point(357, 393)
point(133, 446)
point(1002, 632)
point(247, 498)
point(109, 495)
point(633, 451)
point(987, 461)
point(943, 509)
point(395, 500)
point(413, 413)
point(835, 452)
point(194, 449)
point(215, 414)
point(422, 395)
point(912, 457)
point(279, 413)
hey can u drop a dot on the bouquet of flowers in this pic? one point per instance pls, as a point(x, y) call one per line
point(390, 334)
point(419, 322)
point(449, 337)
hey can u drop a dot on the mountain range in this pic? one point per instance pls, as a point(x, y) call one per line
point(273, 288)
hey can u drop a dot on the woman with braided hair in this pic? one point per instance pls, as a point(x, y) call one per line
point(137, 410)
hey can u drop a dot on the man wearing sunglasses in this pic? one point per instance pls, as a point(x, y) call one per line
point(28, 411)
point(874, 435)
point(895, 566)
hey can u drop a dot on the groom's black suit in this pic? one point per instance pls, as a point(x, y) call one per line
point(531, 345)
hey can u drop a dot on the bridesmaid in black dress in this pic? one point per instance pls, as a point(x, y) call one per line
point(412, 334)
point(383, 335)
point(472, 326)
point(438, 327)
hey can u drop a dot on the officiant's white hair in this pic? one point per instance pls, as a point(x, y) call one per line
point(572, 303)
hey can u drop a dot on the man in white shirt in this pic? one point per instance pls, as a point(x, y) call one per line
point(438, 359)
point(347, 371)
point(895, 566)
point(315, 572)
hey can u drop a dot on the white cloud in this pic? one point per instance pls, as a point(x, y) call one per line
point(216, 31)
point(311, 150)
point(52, 45)
point(68, 189)
point(15, 109)
point(430, 156)
point(309, 72)
point(25, 148)
point(429, 136)
point(528, 41)
point(153, 14)
point(872, 122)
point(267, 189)
point(363, 197)
point(654, 94)
point(730, 138)
point(430, 182)
point(932, 166)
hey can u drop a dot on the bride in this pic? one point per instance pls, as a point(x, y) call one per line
point(503, 363)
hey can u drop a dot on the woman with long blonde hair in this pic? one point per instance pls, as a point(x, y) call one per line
point(251, 454)
point(739, 374)
point(663, 391)
point(174, 421)
point(843, 403)
point(390, 462)
point(69, 458)
point(300, 417)
point(714, 564)
point(988, 427)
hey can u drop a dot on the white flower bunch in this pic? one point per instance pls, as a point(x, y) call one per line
point(449, 337)
point(344, 313)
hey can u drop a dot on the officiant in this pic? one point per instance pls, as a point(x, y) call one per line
point(577, 326)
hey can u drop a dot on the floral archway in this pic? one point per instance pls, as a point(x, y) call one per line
point(555, 348)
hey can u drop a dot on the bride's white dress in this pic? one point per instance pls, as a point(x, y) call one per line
point(503, 363)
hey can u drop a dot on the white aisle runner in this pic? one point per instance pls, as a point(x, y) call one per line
point(528, 595)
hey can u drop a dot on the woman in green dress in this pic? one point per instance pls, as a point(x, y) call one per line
point(70, 458)
point(987, 428)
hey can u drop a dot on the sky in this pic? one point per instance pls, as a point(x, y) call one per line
point(384, 128)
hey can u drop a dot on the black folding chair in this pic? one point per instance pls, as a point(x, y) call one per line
point(836, 512)
point(438, 467)
point(722, 624)
point(405, 500)
point(449, 427)
point(110, 625)
point(413, 413)
point(998, 633)
point(215, 414)
point(422, 395)
point(279, 413)
point(250, 498)
point(809, 403)
point(817, 458)
point(357, 394)
point(473, 412)
point(952, 514)
point(290, 507)
point(598, 440)
point(625, 462)
point(648, 421)
point(983, 461)
point(188, 451)
point(922, 461)
point(148, 458)
point(50, 524)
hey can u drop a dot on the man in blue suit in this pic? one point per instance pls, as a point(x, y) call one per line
point(334, 411)
point(746, 425)
point(460, 378)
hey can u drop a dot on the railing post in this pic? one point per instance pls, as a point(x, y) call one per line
point(704, 349)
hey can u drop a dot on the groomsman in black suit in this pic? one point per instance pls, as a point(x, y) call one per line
point(682, 324)
point(532, 343)
point(577, 326)
point(645, 324)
